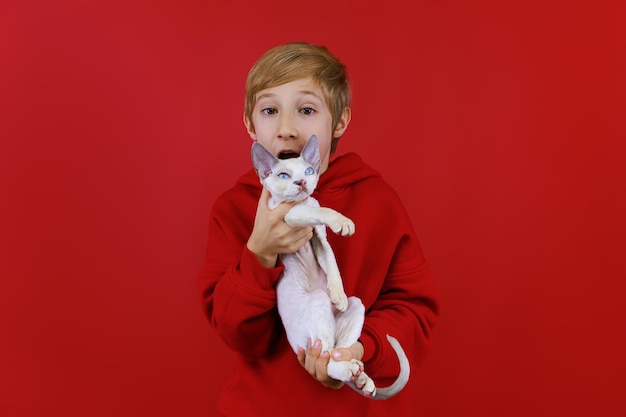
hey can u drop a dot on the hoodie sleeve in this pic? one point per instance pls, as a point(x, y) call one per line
point(238, 292)
point(388, 271)
point(406, 308)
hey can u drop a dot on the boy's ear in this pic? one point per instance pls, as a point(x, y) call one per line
point(249, 127)
point(343, 123)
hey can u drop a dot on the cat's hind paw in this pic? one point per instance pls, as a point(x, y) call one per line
point(365, 384)
point(352, 372)
point(340, 302)
point(345, 371)
point(338, 297)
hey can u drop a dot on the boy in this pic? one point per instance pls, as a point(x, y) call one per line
point(296, 90)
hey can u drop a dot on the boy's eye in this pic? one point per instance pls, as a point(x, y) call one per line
point(283, 176)
point(308, 171)
point(307, 110)
point(269, 110)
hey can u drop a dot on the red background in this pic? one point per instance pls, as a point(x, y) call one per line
point(502, 128)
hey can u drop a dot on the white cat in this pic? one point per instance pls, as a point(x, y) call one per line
point(310, 296)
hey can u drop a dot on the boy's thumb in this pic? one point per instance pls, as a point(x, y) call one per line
point(265, 197)
point(337, 354)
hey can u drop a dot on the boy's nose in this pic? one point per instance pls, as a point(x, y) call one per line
point(287, 128)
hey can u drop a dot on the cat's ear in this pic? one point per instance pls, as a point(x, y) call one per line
point(263, 160)
point(311, 153)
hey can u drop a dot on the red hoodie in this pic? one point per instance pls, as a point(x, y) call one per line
point(382, 263)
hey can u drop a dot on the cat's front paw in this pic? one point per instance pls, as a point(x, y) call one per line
point(342, 225)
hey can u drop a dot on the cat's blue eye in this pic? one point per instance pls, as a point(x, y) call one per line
point(283, 176)
point(309, 171)
point(307, 110)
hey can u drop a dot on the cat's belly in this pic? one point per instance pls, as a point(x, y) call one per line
point(302, 268)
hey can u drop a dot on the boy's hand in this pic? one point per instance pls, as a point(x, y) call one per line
point(316, 363)
point(271, 236)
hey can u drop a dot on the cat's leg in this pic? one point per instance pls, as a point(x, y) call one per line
point(349, 325)
point(311, 214)
point(336, 221)
point(327, 261)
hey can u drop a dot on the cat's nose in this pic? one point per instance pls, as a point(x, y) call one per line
point(300, 183)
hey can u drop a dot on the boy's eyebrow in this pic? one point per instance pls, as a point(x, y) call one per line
point(307, 92)
point(301, 93)
point(310, 93)
point(265, 95)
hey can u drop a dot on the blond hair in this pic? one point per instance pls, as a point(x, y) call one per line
point(296, 60)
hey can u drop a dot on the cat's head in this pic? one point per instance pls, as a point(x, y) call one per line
point(288, 179)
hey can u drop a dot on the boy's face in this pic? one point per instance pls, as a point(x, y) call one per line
point(286, 116)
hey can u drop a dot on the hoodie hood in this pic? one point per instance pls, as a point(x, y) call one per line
point(343, 171)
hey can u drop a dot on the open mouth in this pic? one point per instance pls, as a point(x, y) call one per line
point(288, 155)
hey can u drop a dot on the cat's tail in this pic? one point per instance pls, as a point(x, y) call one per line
point(403, 377)
point(399, 383)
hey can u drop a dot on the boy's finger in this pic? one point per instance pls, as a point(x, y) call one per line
point(265, 195)
point(342, 354)
point(314, 349)
point(282, 209)
point(321, 364)
point(301, 356)
point(312, 354)
point(262, 204)
point(338, 354)
point(321, 371)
